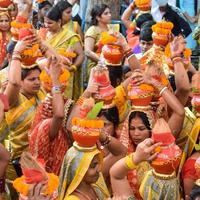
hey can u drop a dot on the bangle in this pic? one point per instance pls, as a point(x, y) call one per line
point(16, 58)
point(129, 162)
point(106, 142)
point(177, 59)
point(74, 67)
point(132, 6)
point(163, 89)
point(43, 49)
point(131, 55)
point(56, 89)
point(16, 52)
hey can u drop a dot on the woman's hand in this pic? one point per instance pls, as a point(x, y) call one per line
point(177, 46)
point(25, 43)
point(36, 192)
point(145, 151)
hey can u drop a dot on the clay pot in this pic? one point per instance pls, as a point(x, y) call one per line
point(160, 40)
point(113, 54)
point(86, 137)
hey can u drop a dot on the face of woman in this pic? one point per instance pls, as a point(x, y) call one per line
point(108, 128)
point(51, 25)
point(138, 131)
point(105, 17)
point(31, 84)
point(4, 23)
point(66, 15)
point(92, 173)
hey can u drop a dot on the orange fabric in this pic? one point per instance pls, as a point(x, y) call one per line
point(52, 152)
point(165, 138)
point(189, 171)
point(4, 39)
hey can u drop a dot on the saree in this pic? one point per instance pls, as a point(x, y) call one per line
point(19, 119)
point(135, 176)
point(40, 145)
point(4, 40)
point(66, 39)
point(159, 188)
point(95, 33)
point(75, 165)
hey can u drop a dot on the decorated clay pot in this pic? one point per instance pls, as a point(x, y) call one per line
point(113, 54)
point(5, 3)
point(168, 159)
point(140, 95)
point(196, 102)
point(159, 39)
point(85, 137)
point(86, 132)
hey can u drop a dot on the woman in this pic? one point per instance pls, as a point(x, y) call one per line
point(66, 9)
point(101, 19)
point(139, 124)
point(48, 138)
point(60, 38)
point(24, 95)
point(5, 36)
point(81, 175)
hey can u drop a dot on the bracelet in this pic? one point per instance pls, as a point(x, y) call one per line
point(163, 89)
point(16, 52)
point(129, 162)
point(74, 67)
point(16, 58)
point(127, 52)
point(43, 49)
point(130, 56)
point(56, 89)
point(107, 141)
point(177, 59)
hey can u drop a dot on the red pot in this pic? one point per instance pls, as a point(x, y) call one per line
point(112, 54)
point(5, 3)
point(167, 160)
point(86, 137)
point(160, 40)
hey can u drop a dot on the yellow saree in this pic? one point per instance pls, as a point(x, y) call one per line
point(74, 168)
point(66, 39)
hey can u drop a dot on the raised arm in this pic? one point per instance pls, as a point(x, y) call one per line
point(145, 151)
point(58, 103)
point(127, 14)
point(14, 75)
point(181, 76)
point(78, 49)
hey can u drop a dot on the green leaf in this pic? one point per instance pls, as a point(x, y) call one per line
point(95, 110)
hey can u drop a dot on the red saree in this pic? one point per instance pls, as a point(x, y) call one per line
point(52, 152)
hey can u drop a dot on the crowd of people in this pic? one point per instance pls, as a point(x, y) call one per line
point(132, 131)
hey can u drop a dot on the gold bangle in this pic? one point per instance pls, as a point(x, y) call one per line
point(74, 67)
point(129, 162)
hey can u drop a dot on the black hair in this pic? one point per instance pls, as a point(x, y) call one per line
point(111, 114)
point(54, 14)
point(142, 116)
point(195, 192)
point(142, 19)
point(43, 4)
point(97, 11)
point(146, 31)
point(63, 5)
point(26, 72)
point(115, 75)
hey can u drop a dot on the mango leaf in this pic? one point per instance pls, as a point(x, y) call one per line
point(95, 110)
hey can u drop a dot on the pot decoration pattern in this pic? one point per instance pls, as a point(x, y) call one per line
point(112, 53)
point(161, 33)
point(86, 129)
point(140, 95)
point(106, 91)
point(169, 156)
point(143, 5)
point(29, 56)
point(5, 3)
